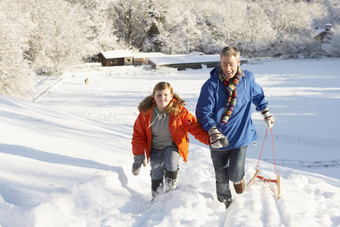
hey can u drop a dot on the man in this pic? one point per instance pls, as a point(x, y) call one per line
point(224, 110)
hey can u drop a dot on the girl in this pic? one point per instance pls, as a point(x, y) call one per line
point(161, 133)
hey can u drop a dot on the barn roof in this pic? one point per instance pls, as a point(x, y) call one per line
point(117, 54)
point(184, 58)
point(126, 53)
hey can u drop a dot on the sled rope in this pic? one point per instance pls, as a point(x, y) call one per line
point(264, 140)
point(267, 180)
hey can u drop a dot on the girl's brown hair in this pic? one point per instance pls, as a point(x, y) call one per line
point(174, 105)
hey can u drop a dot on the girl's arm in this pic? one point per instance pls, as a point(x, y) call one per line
point(191, 125)
point(139, 139)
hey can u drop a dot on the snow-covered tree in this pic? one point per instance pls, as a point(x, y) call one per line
point(179, 30)
point(15, 77)
point(293, 22)
point(333, 11)
point(257, 35)
point(61, 34)
point(39, 33)
point(131, 21)
point(101, 25)
point(335, 42)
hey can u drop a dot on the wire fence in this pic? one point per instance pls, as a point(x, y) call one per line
point(305, 164)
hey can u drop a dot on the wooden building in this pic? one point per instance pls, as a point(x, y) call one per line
point(125, 57)
point(194, 60)
point(325, 36)
point(143, 58)
point(116, 58)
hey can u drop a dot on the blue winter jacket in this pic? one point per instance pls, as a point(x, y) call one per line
point(239, 130)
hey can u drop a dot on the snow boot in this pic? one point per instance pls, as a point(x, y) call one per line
point(225, 199)
point(239, 186)
point(155, 184)
point(227, 203)
point(170, 180)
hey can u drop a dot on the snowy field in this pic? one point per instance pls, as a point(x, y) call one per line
point(65, 159)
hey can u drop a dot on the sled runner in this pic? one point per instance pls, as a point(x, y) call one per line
point(268, 181)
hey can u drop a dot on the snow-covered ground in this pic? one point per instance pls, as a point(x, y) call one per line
point(65, 159)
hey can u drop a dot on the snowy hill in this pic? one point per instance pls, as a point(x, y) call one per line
point(65, 160)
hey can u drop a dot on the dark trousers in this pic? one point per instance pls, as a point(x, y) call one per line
point(228, 165)
point(161, 160)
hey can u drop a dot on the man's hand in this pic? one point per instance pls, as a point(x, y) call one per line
point(217, 139)
point(268, 118)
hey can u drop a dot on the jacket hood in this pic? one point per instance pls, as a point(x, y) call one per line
point(214, 71)
point(150, 111)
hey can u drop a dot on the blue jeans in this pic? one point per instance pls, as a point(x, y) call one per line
point(160, 160)
point(228, 165)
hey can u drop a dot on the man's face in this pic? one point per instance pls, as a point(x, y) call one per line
point(229, 65)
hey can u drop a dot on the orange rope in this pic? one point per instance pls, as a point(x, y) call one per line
point(264, 139)
point(271, 130)
point(257, 167)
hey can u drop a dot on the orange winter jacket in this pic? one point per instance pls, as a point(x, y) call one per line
point(179, 127)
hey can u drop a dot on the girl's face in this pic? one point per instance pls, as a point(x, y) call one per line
point(162, 98)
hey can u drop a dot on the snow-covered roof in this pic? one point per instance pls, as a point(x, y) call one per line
point(117, 54)
point(126, 53)
point(148, 54)
point(184, 58)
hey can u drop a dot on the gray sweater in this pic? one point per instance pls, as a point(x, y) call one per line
point(161, 137)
